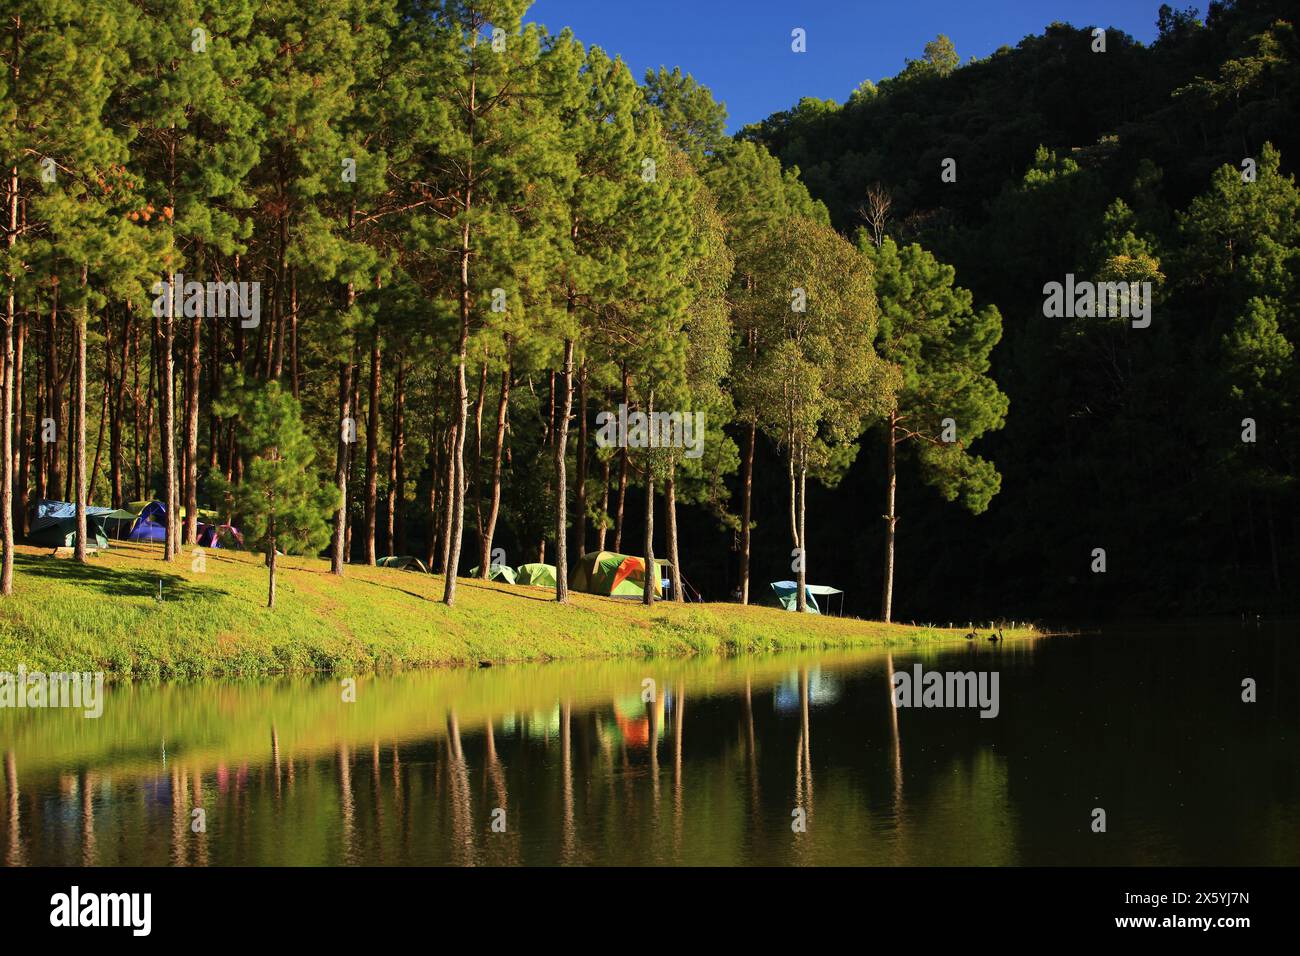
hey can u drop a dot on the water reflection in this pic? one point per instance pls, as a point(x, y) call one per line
point(578, 764)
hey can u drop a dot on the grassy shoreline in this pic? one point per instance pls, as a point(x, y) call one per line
point(105, 616)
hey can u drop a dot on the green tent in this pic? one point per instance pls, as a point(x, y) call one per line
point(616, 575)
point(403, 562)
point(54, 532)
point(118, 524)
point(537, 575)
point(785, 594)
point(496, 572)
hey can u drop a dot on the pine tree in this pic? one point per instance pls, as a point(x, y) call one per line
point(930, 331)
point(279, 504)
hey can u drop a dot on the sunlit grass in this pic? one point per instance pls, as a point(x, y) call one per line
point(106, 615)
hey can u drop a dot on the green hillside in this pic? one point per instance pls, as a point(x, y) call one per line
point(106, 616)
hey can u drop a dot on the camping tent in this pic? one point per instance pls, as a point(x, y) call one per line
point(403, 562)
point(617, 575)
point(118, 524)
point(55, 525)
point(151, 525)
point(496, 572)
point(538, 575)
point(784, 594)
point(219, 536)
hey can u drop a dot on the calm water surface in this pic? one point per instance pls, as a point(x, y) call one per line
point(1148, 725)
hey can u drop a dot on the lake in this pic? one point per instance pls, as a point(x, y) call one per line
point(789, 759)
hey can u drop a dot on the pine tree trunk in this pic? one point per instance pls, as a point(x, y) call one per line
point(117, 410)
point(800, 598)
point(746, 509)
point(651, 572)
point(494, 509)
point(193, 369)
point(396, 475)
point(622, 474)
point(804, 539)
point(670, 505)
point(81, 428)
point(561, 479)
point(372, 448)
point(479, 527)
point(341, 463)
point(355, 404)
point(891, 518)
point(20, 429)
point(167, 422)
point(448, 497)
point(604, 506)
point(580, 489)
point(270, 567)
point(53, 396)
point(7, 375)
point(103, 415)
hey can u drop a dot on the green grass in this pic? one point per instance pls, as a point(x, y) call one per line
point(105, 616)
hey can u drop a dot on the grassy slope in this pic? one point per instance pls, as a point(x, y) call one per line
point(105, 616)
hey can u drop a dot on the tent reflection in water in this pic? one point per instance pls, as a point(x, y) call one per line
point(614, 575)
point(785, 595)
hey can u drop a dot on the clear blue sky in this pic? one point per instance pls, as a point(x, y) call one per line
point(741, 48)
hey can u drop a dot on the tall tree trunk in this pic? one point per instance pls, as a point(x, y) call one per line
point(193, 375)
point(270, 567)
point(349, 526)
point(494, 508)
point(604, 506)
point(372, 448)
point(37, 448)
point(891, 518)
point(396, 462)
point(7, 374)
point(135, 409)
point(561, 478)
point(214, 390)
point(53, 395)
point(462, 414)
point(651, 572)
point(622, 473)
point(20, 428)
point(478, 456)
point(117, 409)
point(293, 331)
point(448, 498)
point(801, 599)
point(804, 537)
point(341, 460)
point(103, 408)
point(670, 505)
point(580, 489)
point(167, 422)
point(80, 464)
point(746, 506)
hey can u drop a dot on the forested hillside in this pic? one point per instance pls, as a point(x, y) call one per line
point(1172, 164)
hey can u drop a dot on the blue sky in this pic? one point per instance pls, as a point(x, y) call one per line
point(741, 48)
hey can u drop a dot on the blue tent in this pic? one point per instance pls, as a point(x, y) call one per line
point(55, 525)
point(152, 523)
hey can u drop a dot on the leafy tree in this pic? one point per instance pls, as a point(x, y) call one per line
point(931, 333)
point(279, 504)
point(817, 379)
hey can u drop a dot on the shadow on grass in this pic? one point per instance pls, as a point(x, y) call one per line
point(114, 582)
